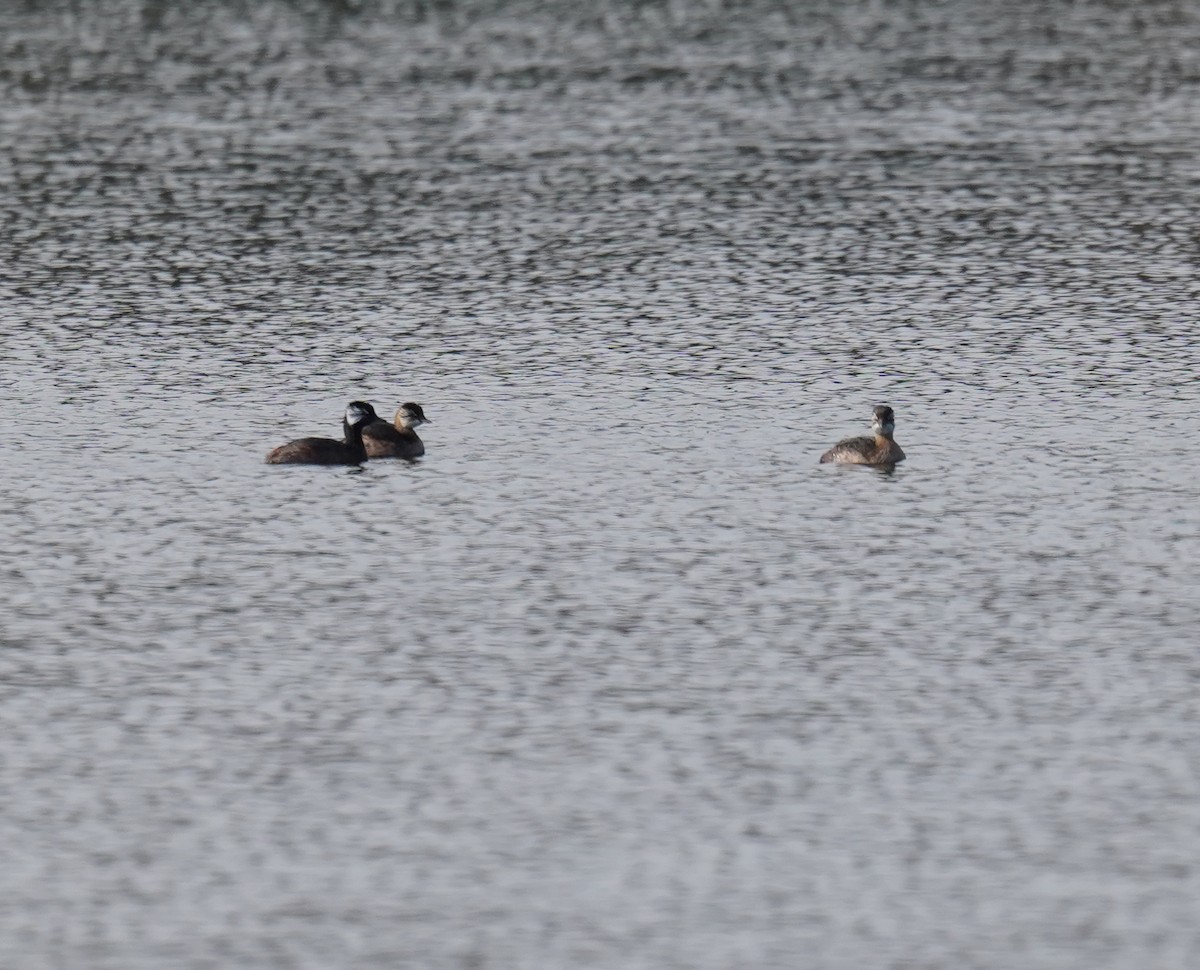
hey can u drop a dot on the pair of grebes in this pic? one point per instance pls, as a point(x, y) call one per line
point(369, 436)
point(365, 435)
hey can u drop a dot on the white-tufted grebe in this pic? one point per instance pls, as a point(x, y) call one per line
point(879, 450)
point(398, 439)
point(327, 451)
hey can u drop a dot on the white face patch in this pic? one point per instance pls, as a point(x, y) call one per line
point(355, 414)
point(407, 419)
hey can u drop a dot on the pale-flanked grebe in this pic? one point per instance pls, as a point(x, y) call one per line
point(327, 451)
point(396, 440)
point(879, 450)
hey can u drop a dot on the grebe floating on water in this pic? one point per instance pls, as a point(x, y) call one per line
point(879, 450)
point(328, 451)
point(398, 439)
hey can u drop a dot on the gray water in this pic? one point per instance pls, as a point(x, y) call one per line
point(616, 676)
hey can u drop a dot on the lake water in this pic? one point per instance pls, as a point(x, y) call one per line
point(616, 676)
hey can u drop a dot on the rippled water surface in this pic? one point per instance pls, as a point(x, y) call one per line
point(616, 676)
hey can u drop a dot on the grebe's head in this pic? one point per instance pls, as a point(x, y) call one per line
point(409, 415)
point(885, 420)
point(360, 413)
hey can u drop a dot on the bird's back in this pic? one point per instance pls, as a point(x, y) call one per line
point(313, 451)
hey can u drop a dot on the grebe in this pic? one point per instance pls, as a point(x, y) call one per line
point(879, 450)
point(327, 451)
point(396, 440)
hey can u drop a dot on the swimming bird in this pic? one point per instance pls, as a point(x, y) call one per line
point(878, 450)
point(329, 451)
point(398, 439)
